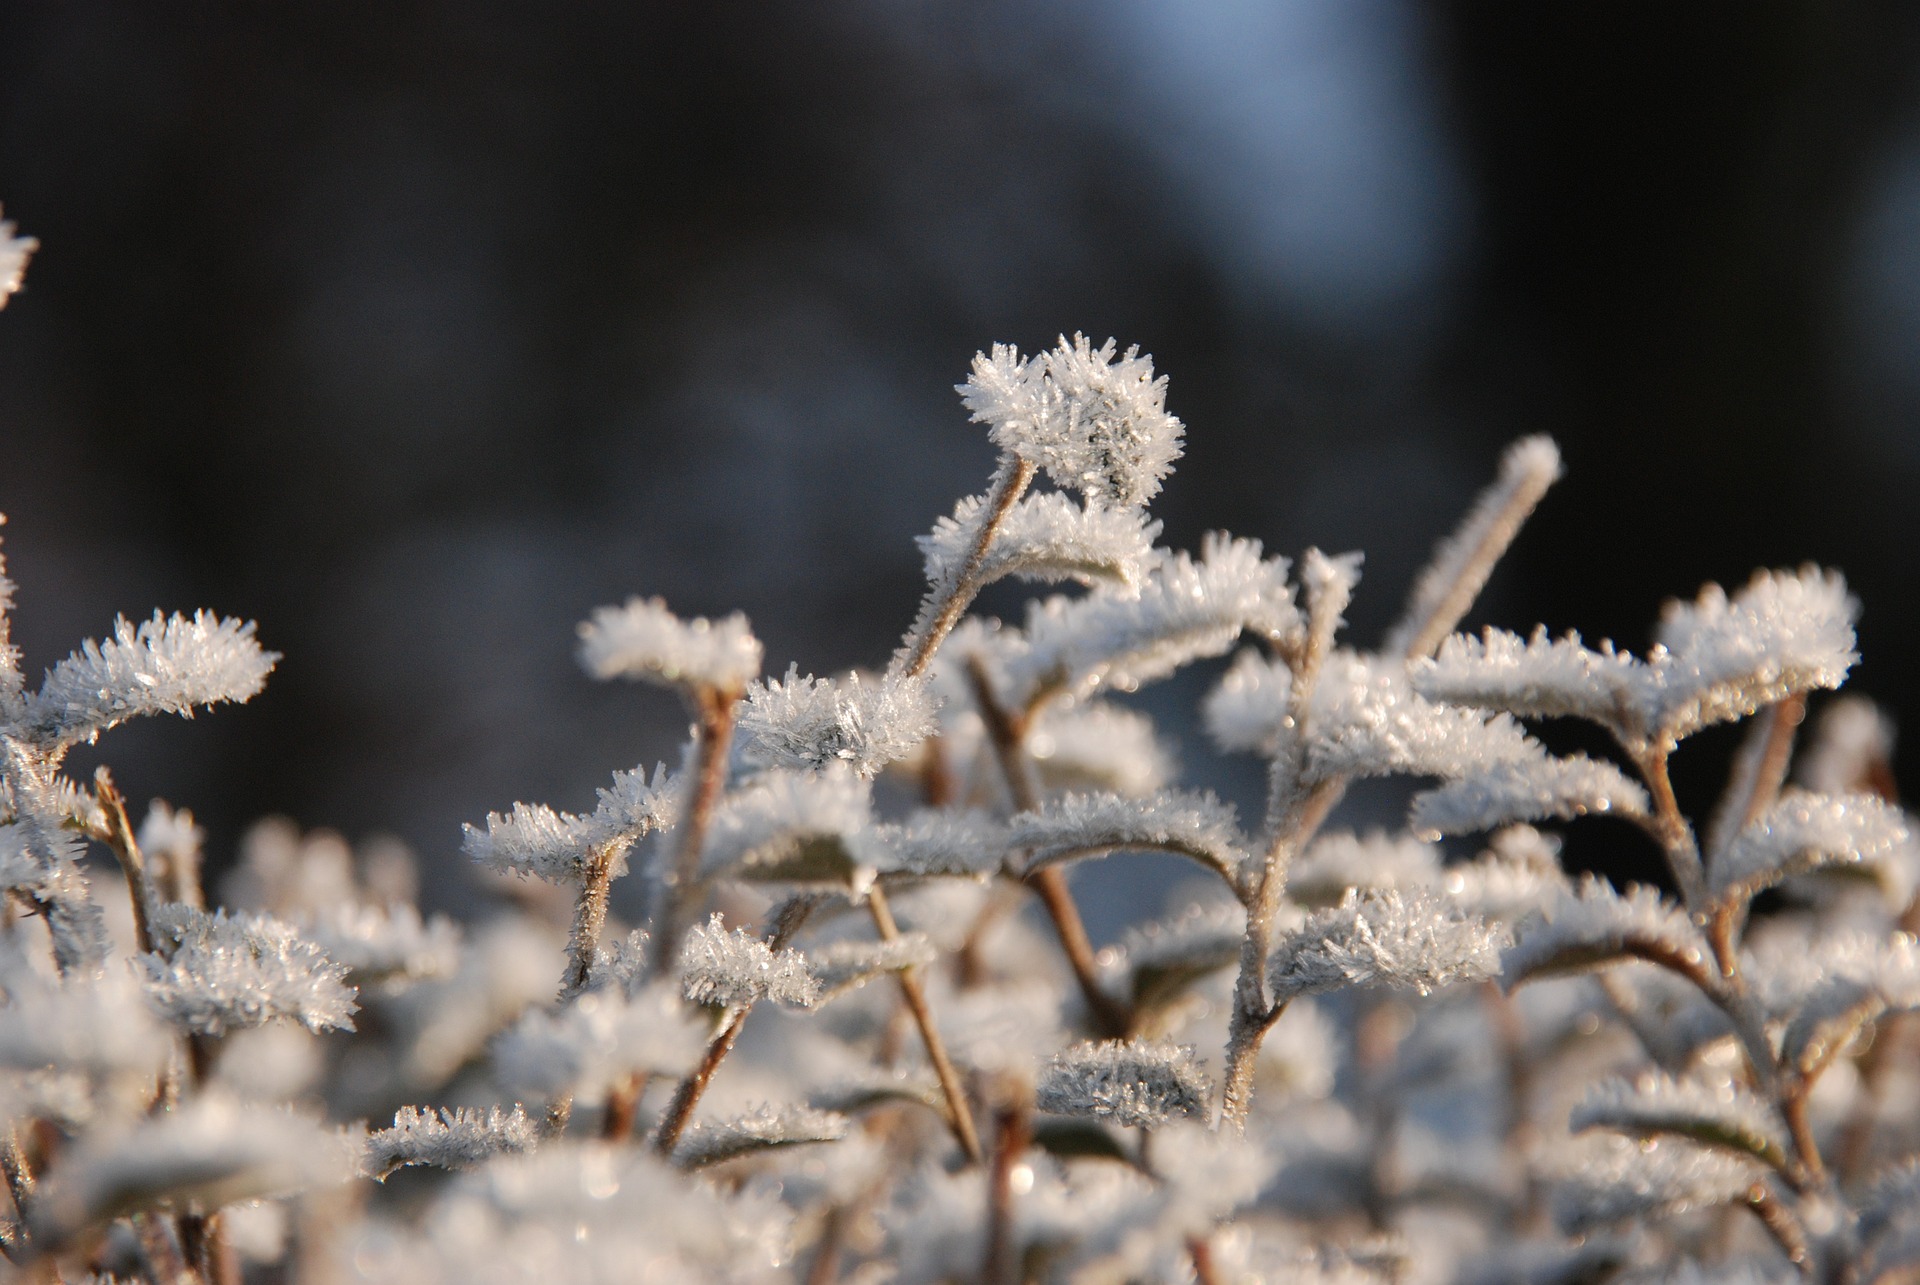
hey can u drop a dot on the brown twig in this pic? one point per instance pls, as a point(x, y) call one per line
point(950, 601)
point(623, 1106)
point(959, 1114)
point(119, 837)
point(713, 709)
point(1013, 1132)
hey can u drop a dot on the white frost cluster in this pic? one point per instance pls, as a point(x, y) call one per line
point(1131, 1082)
point(1409, 939)
point(14, 253)
point(766, 1128)
point(1715, 659)
point(452, 1138)
point(1365, 720)
point(1099, 745)
point(790, 826)
point(1044, 537)
point(1595, 926)
point(1249, 707)
point(1616, 1181)
point(809, 722)
point(166, 665)
point(844, 965)
point(1342, 860)
point(1096, 424)
point(1077, 825)
point(643, 640)
point(935, 842)
point(534, 839)
point(1712, 1115)
point(1803, 831)
point(385, 945)
point(221, 972)
point(735, 969)
point(600, 1038)
point(1528, 789)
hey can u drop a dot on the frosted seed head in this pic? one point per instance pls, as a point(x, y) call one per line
point(1095, 422)
point(1131, 1082)
point(1409, 939)
point(644, 641)
point(166, 665)
point(735, 969)
point(809, 723)
point(451, 1138)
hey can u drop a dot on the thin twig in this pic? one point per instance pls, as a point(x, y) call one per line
point(118, 836)
point(623, 1105)
point(1759, 770)
point(1783, 1225)
point(714, 710)
point(589, 920)
point(1013, 1132)
point(959, 1114)
point(949, 601)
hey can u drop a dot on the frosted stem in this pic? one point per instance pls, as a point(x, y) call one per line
point(947, 601)
point(959, 1114)
point(1759, 770)
point(119, 837)
point(1013, 1132)
point(715, 710)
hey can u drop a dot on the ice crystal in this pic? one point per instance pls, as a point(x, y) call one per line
point(1805, 831)
point(1409, 939)
point(1186, 609)
point(710, 1142)
point(1596, 925)
point(734, 969)
point(534, 839)
point(1527, 789)
point(1365, 720)
point(1047, 538)
point(219, 972)
point(1623, 1181)
point(790, 826)
point(1078, 825)
point(934, 842)
point(167, 665)
point(643, 640)
point(813, 722)
point(1095, 424)
point(14, 253)
point(1250, 706)
point(385, 946)
point(844, 965)
point(1131, 1082)
point(1713, 1115)
point(452, 1138)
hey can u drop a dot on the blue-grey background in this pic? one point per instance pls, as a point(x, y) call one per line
point(416, 330)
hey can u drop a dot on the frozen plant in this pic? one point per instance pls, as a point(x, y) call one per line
point(861, 1032)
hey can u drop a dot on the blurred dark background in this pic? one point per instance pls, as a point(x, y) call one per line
point(417, 330)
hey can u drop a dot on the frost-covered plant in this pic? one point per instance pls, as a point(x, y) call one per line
point(837, 1047)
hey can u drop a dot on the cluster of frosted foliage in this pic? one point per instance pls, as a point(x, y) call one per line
point(15, 250)
point(843, 1018)
point(645, 641)
point(1096, 422)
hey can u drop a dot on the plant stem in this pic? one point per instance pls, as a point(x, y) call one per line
point(126, 849)
point(714, 711)
point(589, 919)
point(623, 1104)
point(959, 1114)
point(1200, 1249)
point(1007, 732)
point(1675, 836)
point(1013, 1132)
point(949, 601)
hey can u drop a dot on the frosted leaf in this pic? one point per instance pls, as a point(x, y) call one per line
point(1250, 706)
point(14, 253)
point(844, 965)
point(1047, 538)
point(1622, 1181)
point(1852, 740)
point(167, 665)
point(1365, 720)
point(1162, 960)
point(597, 1040)
point(643, 640)
point(275, 1063)
point(934, 842)
point(1098, 745)
point(452, 1138)
point(1463, 561)
point(621, 966)
point(1721, 1115)
point(1078, 825)
point(1785, 632)
point(710, 1142)
point(1409, 939)
point(1131, 1082)
point(1802, 832)
point(211, 1151)
point(1542, 678)
point(1519, 875)
point(1532, 789)
point(1096, 423)
point(98, 1027)
point(1341, 860)
point(790, 826)
point(1597, 926)
point(534, 839)
point(813, 722)
point(385, 947)
point(224, 972)
point(735, 969)
point(1791, 975)
point(1185, 610)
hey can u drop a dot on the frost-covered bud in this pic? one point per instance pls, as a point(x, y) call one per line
point(734, 969)
point(1079, 825)
point(14, 253)
point(810, 722)
point(1131, 1082)
point(643, 640)
point(388, 947)
point(1044, 537)
point(167, 665)
point(1803, 832)
point(767, 1128)
point(211, 1151)
point(1722, 1115)
point(1409, 939)
point(224, 972)
point(454, 1138)
point(1097, 425)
